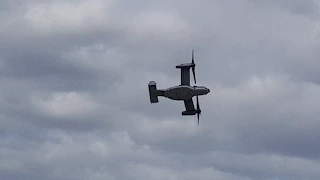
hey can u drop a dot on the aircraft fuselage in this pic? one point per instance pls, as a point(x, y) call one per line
point(184, 92)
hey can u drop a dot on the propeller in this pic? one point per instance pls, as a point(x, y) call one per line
point(198, 110)
point(193, 67)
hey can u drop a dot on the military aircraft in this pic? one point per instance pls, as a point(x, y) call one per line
point(183, 92)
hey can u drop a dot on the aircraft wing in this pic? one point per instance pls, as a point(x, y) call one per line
point(189, 105)
point(185, 76)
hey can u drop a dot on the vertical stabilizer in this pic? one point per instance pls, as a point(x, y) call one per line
point(153, 92)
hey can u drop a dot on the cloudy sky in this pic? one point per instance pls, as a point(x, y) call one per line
point(74, 100)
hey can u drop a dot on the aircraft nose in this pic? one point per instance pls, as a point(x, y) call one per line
point(208, 90)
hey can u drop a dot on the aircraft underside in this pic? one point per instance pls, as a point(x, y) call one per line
point(179, 93)
point(183, 92)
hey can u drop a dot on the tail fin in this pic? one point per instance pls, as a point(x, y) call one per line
point(153, 92)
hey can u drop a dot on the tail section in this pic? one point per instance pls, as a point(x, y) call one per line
point(154, 92)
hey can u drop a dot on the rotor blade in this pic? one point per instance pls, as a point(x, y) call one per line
point(198, 118)
point(198, 106)
point(193, 68)
point(192, 56)
point(198, 110)
point(194, 75)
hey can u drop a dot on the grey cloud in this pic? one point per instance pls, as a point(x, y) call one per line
point(74, 98)
point(308, 8)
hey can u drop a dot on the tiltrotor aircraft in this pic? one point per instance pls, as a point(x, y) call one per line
point(183, 92)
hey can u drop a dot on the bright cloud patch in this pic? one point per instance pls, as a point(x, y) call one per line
point(66, 105)
point(68, 15)
point(167, 25)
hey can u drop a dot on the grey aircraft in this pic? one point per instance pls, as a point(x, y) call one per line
point(183, 92)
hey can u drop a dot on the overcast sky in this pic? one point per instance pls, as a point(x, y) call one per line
point(74, 100)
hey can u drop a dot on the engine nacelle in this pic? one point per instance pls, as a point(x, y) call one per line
point(185, 65)
point(189, 113)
